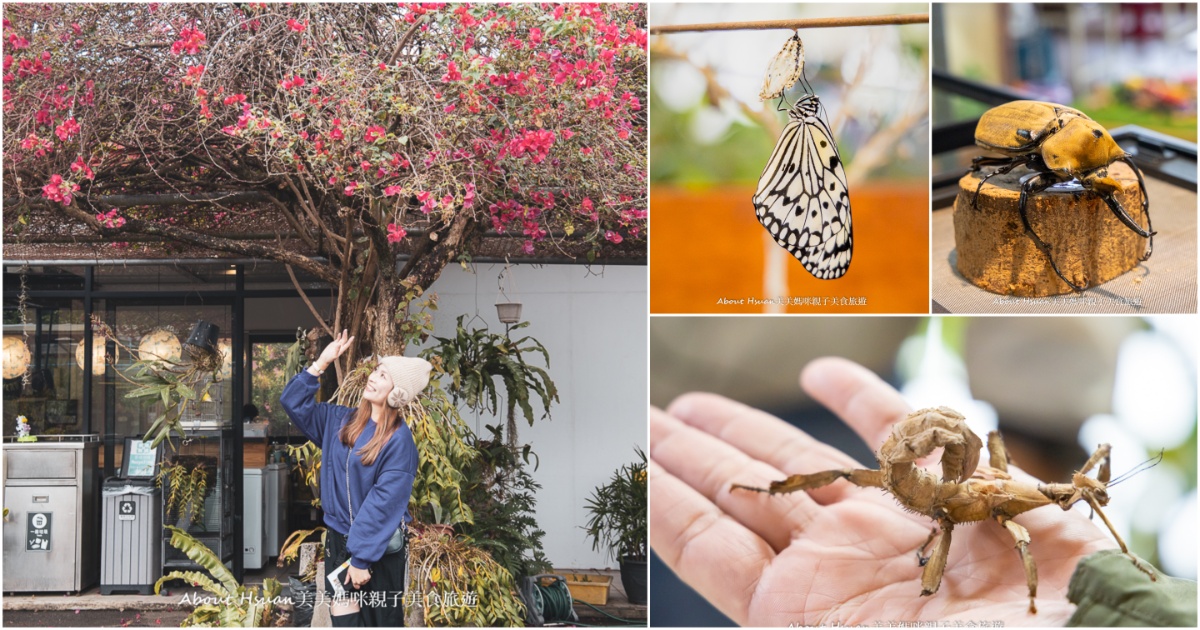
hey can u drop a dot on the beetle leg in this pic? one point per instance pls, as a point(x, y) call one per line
point(931, 576)
point(1145, 205)
point(1006, 164)
point(812, 481)
point(1030, 184)
point(1021, 537)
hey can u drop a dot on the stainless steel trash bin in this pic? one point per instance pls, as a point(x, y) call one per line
point(131, 556)
point(51, 541)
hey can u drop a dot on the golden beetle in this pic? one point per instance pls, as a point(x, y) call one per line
point(1059, 144)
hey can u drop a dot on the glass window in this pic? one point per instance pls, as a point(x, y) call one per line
point(267, 361)
point(43, 371)
point(161, 330)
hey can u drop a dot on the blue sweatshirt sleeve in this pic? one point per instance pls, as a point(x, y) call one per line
point(300, 403)
point(385, 504)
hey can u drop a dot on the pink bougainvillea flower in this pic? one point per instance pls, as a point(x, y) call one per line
point(67, 130)
point(395, 233)
point(58, 190)
point(190, 40)
point(351, 188)
point(294, 82)
point(80, 166)
point(623, 134)
point(392, 191)
point(336, 134)
point(235, 99)
point(110, 219)
point(448, 201)
point(613, 237)
point(374, 133)
point(452, 73)
point(296, 25)
point(469, 196)
point(16, 42)
point(527, 247)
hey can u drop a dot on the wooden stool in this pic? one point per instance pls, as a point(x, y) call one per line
point(1089, 243)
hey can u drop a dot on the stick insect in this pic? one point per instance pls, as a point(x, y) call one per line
point(966, 491)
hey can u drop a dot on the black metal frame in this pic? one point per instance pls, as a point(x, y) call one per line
point(1157, 155)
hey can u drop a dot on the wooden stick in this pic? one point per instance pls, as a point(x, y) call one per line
point(794, 24)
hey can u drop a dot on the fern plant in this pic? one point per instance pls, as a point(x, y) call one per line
point(236, 605)
point(474, 358)
point(503, 496)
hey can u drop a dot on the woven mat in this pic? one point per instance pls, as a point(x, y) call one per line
point(1164, 284)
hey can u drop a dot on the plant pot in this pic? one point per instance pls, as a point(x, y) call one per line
point(509, 312)
point(633, 577)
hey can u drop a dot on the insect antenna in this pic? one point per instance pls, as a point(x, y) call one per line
point(1146, 465)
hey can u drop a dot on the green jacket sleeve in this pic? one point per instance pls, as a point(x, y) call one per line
point(1110, 591)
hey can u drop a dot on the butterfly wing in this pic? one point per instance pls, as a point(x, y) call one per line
point(784, 70)
point(803, 200)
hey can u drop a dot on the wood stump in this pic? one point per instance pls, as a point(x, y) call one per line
point(1089, 243)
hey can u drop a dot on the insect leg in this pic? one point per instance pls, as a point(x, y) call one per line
point(997, 454)
point(931, 576)
point(1021, 537)
point(1124, 549)
point(1100, 456)
point(812, 481)
point(1029, 184)
point(1008, 164)
point(922, 559)
point(1145, 205)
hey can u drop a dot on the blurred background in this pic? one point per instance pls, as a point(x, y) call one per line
point(1129, 66)
point(711, 137)
point(1056, 387)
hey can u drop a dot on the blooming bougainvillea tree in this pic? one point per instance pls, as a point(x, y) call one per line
point(364, 131)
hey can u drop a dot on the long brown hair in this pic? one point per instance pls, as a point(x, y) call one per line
point(384, 427)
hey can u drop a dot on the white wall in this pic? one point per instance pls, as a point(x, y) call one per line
point(593, 324)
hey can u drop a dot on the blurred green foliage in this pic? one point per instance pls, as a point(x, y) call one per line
point(678, 158)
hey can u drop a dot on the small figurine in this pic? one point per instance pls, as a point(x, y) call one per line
point(23, 430)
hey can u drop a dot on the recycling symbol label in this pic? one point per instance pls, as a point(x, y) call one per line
point(126, 510)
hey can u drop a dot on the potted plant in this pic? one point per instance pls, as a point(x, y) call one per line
point(618, 523)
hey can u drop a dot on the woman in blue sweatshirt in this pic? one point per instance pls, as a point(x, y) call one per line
point(368, 463)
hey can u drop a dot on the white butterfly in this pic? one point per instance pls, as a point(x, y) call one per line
point(802, 197)
point(785, 69)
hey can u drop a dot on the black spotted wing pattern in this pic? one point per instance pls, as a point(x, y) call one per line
point(802, 197)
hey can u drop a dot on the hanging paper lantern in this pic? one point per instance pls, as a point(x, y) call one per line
point(16, 356)
point(98, 356)
point(160, 344)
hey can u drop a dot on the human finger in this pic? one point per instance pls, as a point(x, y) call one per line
point(709, 466)
point(766, 438)
point(857, 395)
point(714, 554)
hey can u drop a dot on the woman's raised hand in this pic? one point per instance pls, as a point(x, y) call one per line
point(335, 349)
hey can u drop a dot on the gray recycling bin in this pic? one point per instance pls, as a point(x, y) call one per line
point(131, 556)
point(51, 542)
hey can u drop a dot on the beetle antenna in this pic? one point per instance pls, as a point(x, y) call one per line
point(1146, 465)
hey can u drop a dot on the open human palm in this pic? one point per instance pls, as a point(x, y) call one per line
point(839, 554)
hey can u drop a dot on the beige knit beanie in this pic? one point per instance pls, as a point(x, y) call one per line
point(409, 376)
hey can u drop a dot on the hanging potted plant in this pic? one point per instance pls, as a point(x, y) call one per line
point(618, 523)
